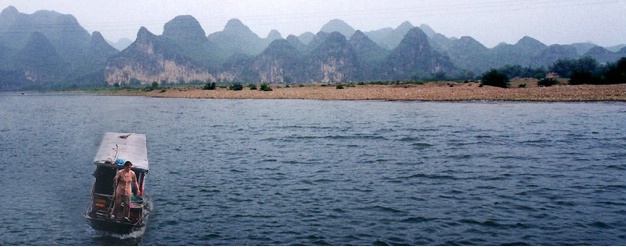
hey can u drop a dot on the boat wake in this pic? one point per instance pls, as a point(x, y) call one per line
point(132, 235)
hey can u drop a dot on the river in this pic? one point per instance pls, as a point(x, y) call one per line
point(308, 172)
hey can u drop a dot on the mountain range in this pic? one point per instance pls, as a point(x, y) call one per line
point(47, 49)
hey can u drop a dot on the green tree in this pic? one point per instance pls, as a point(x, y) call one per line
point(547, 82)
point(265, 87)
point(523, 72)
point(209, 86)
point(134, 82)
point(616, 73)
point(566, 67)
point(495, 78)
point(236, 87)
point(579, 77)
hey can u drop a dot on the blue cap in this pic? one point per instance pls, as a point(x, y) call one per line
point(119, 161)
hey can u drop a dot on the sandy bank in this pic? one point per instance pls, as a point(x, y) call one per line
point(425, 92)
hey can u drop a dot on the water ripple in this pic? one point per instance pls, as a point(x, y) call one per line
point(264, 172)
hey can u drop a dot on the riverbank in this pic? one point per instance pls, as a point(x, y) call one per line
point(440, 91)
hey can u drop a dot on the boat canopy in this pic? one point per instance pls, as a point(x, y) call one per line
point(119, 147)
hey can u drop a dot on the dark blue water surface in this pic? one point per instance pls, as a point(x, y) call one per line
point(306, 172)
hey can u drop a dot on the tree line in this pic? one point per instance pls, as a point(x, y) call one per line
point(585, 70)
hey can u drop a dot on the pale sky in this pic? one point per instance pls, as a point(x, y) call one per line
point(602, 22)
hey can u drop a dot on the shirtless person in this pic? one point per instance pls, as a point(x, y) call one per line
point(124, 188)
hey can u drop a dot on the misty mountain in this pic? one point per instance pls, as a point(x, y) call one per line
point(155, 58)
point(95, 59)
point(616, 48)
point(366, 49)
point(317, 40)
point(414, 58)
point(306, 37)
point(238, 38)
point(339, 26)
point(121, 44)
point(603, 55)
point(582, 48)
point(40, 61)
point(334, 60)
point(190, 41)
point(63, 31)
point(553, 53)
point(520, 53)
point(296, 43)
point(281, 62)
point(273, 35)
point(469, 54)
point(368, 53)
point(70, 53)
point(389, 38)
point(47, 48)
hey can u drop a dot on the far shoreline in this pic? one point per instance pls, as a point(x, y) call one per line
point(430, 92)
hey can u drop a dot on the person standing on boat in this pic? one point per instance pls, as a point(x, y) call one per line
point(123, 192)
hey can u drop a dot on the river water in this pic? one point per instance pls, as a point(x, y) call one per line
point(307, 172)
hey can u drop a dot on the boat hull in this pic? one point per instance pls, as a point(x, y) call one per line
point(114, 226)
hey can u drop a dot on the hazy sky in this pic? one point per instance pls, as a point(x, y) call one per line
point(490, 22)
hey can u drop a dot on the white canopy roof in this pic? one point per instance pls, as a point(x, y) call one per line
point(127, 146)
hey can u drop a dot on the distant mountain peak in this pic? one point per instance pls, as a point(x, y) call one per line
point(428, 30)
point(417, 35)
point(184, 27)
point(530, 42)
point(274, 35)
point(405, 25)
point(9, 11)
point(143, 34)
point(97, 36)
point(367, 50)
point(358, 35)
point(337, 25)
point(235, 25)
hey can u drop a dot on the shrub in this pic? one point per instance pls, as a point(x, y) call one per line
point(265, 87)
point(547, 82)
point(496, 79)
point(566, 67)
point(616, 73)
point(236, 87)
point(339, 86)
point(209, 86)
point(580, 77)
point(252, 86)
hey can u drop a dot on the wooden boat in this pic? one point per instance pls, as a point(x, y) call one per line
point(116, 148)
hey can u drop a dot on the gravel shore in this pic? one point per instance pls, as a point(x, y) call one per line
point(440, 91)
